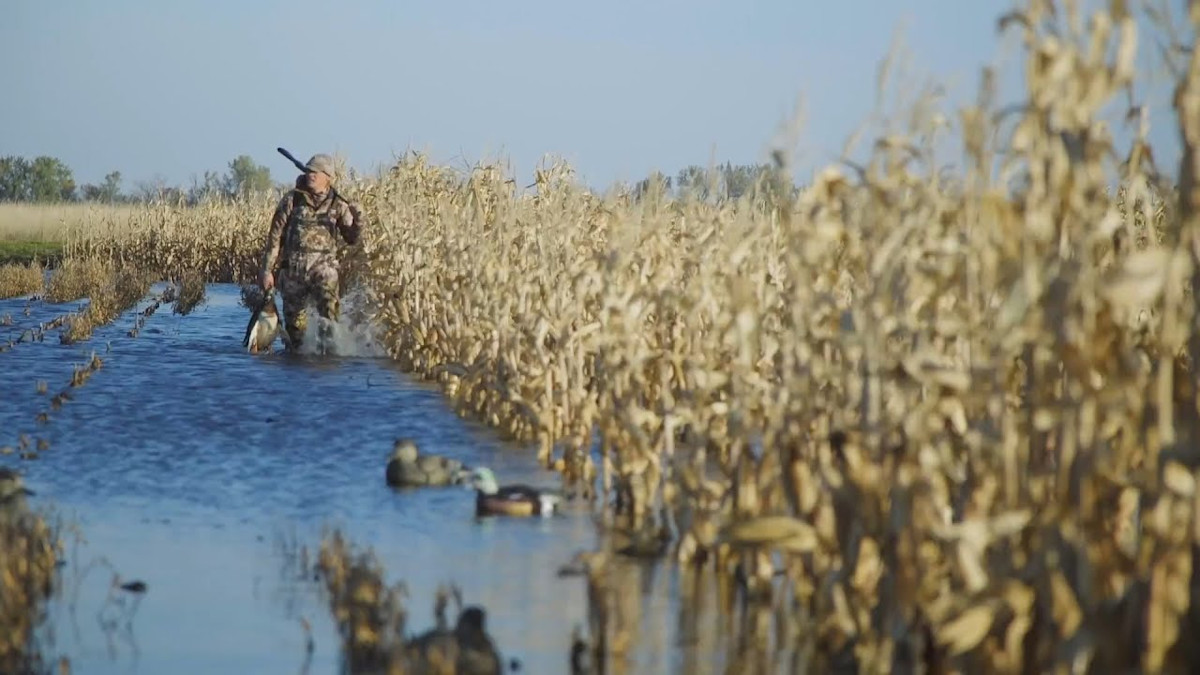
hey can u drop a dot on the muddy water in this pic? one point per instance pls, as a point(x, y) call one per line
point(185, 462)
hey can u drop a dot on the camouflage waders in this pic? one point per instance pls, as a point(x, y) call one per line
point(304, 238)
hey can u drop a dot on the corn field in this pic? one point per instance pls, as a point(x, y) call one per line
point(950, 420)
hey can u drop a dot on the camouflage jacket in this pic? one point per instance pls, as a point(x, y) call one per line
point(305, 227)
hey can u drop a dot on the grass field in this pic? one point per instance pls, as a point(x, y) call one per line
point(24, 252)
point(40, 231)
point(52, 222)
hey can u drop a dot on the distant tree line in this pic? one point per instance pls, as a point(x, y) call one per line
point(46, 179)
point(723, 182)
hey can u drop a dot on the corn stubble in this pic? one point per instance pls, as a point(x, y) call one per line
point(19, 279)
point(219, 241)
point(370, 616)
point(108, 297)
point(29, 552)
point(191, 292)
point(372, 619)
point(955, 416)
point(77, 278)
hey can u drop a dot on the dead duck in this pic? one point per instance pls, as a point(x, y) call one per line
point(408, 468)
point(510, 500)
point(263, 327)
point(469, 646)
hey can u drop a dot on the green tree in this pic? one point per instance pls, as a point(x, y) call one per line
point(15, 174)
point(212, 187)
point(738, 180)
point(247, 178)
point(110, 190)
point(697, 181)
point(730, 181)
point(655, 186)
point(51, 180)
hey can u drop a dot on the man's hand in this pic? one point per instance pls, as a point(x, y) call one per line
point(351, 231)
point(266, 280)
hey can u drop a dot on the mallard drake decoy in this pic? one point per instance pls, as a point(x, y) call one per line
point(510, 500)
point(406, 467)
point(475, 652)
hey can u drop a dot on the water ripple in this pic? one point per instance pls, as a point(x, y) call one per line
point(183, 456)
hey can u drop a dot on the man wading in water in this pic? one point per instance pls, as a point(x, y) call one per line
point(303, 241)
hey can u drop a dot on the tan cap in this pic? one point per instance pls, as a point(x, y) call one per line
point(323, 163)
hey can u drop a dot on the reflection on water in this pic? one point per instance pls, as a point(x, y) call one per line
point(189, 464)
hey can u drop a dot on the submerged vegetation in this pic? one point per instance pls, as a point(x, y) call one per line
point(191, 292)
point(77, 278)
point(917, 420)
point(107, 299)
point(18, 279)
point(372, 621)
point(29, 553)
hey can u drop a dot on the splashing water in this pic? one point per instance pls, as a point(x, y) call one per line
point(353, 334)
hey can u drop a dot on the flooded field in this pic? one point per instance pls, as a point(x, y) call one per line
point(201, 470)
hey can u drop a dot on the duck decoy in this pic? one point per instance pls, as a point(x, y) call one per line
point(468, 644)
point(510, 500)
point(408, 468)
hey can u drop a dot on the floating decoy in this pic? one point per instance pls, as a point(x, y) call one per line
point(408, 468)
point(476, 653)
point(510, 500)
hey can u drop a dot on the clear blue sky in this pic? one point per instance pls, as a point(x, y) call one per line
point(619, 88)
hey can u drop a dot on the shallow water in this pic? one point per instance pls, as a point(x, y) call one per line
point(184, 460)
